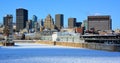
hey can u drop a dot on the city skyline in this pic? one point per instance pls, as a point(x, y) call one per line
point(79, 9)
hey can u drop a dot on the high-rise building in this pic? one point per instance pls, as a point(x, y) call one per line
point(21, 18)
point(29, 24)
point(37, 27)
point(8, 22)
point(78, 24)
point(49, 23)
point(4, 20)
point(71, 22)
point(59, 21)
point(85, 24)
point(99, 22)
point(41, 23)
point(34, 20)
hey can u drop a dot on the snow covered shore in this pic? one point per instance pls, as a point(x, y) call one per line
point(36, 53)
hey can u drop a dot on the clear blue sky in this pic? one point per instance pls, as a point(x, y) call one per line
point(79, 9)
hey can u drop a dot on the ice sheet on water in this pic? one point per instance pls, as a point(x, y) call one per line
point(36, 53)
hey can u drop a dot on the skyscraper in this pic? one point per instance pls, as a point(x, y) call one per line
point(37, 28)
point(4, 20)
point(85, 24)
point(71, 22)
point(49, 23)
point(29, 24)
point(21, 18)
point(8, 21)
point(78, 24)
point(41, 23)
point(59, 21)
point(34, 20)
point(99, 22)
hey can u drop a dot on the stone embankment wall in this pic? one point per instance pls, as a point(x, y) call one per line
point(1, 44)
point(96, 46)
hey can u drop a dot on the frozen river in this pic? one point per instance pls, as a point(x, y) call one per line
point(36, 53)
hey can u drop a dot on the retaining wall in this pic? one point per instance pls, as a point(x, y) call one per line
point(45, 42)
point(96, 46)
point(1, 44)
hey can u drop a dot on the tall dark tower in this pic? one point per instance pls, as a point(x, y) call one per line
point(4, 20)
point(59, 21)
point(8, 22)
point(71, 22)
point(21, 18)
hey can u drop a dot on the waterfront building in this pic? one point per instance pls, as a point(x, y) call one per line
point(79, 30)
point(106, 39)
